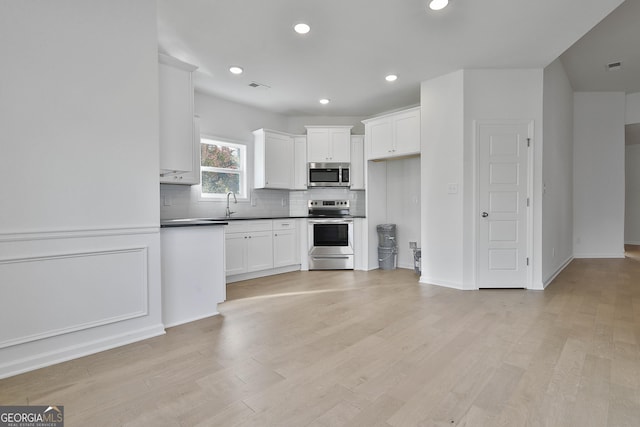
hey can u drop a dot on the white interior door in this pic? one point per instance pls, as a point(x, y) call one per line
point(503, 163)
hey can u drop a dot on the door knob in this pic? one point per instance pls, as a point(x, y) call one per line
point(484, 214)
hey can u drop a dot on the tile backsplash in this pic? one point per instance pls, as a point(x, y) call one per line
point(182, 201)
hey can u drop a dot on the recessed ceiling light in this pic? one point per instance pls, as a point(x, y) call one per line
point(325, 101)
point(236, 70)
point(302, 28)
point(438, 4)
point(391, 78)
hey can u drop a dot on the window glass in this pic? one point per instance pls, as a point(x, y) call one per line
point(222, 168)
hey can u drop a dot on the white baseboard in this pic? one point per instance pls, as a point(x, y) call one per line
point(191, 319)
point(633, 242)
point(599, 255)
point(564, 265)
point(262, 273)
point(442, 283)
point(41, 360)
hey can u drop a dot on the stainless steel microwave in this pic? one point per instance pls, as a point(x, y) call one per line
point(328, 175)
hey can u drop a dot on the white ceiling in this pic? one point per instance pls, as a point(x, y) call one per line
point(353, 44)
point(616, 38)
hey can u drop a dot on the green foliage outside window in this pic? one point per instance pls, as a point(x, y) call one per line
point(222, 168)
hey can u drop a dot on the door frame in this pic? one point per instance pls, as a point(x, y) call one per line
point(476, 193)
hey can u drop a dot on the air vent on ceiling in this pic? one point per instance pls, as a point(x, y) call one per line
point(259, 85)
point(614, 66)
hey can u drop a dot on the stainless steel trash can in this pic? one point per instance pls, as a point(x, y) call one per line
point(386, 235)
point(387, 257)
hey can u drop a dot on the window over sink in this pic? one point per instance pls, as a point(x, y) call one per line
point(222, 168)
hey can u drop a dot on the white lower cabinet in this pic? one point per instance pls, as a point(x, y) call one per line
point(286, 250)
point(248, 245)
point(259, 251)
point(236, 253)
point(261, 245)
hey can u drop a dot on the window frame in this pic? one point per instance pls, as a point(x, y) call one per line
point(242, 171)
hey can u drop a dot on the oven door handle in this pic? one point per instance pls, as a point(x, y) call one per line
point(331, 221)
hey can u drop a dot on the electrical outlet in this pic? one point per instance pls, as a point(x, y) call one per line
point(452, 188)
point(413, 245)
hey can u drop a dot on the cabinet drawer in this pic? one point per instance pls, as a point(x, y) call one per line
point(242, 226)
point(284, 224)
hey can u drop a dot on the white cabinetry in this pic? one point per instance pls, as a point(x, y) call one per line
point(193, 281)
point(192, 177)
point(285, 243)
point(357, 162)
point(176, 117)
point(274, 157)
point(328, 144)
point(300, 162)
point(261, 247)
point(393, 135)
point(249, 246)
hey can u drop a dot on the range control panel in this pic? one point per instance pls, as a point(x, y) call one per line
point(328, 204)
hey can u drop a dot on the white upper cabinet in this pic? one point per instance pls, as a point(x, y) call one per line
point(300, 162)
point(176, 117)
point(192, 177)
point(357, 162)
point(329, 144)
point(274, 159)
point(393, 135)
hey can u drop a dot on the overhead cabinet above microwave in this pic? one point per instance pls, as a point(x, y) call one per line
point(328, 144)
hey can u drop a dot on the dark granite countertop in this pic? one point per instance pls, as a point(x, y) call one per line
point(190, 222)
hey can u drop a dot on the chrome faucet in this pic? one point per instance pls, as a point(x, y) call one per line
point(228, 211)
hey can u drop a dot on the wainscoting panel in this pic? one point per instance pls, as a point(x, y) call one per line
point(70, 292)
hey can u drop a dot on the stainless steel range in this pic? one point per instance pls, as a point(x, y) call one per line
point(330, 235)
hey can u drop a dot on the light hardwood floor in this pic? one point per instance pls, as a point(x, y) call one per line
point(373, 349)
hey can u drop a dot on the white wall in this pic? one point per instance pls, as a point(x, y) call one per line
point(451, 105)
point(632, 195)
point(442, 162)
point(502, 95)
point(632, 110)
point(394, 198)
point(230, 121)
point(79, 237)
point(599, 174)
point(79, 125)
point(403, 205)
point(557, 172)
point(632, 175)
